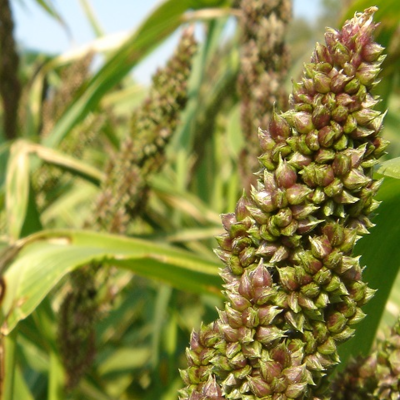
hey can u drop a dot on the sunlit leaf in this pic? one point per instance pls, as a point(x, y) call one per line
point(124, 359)
point(17, 188)
point(91, 17)
point(66, 163)
point(194, 234)
point(19, 197)
point(61, 213)
point(51, 10)
point(9, 345)
point(56, 378)
point(48, 256)
point(185, 202)
point(390, 168)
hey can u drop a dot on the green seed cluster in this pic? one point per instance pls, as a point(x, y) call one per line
point(294, 289)
point(376, 377)
point(142, 153)
point(264, 63)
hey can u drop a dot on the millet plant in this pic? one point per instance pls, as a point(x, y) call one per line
point(293, 284)
point(111, 193)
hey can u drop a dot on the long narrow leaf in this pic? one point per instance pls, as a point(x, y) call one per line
point(49, 8)
point(9, 354)
point(21, 389)
point(390, 168)
point(91, 17)
point(67, 163)
point(18, 180)
point(184, 201)
point(17, 188)
point(45, 258)
point(381, 254)
point(160, 313)
point(56, 381)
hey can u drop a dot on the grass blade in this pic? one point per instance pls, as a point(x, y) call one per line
point(49, 8)
point(160, 312)
point(9, 349)
point(46, 257)
point(56, 378)
point(390, 168)
point(91, 17)
point(17, 189)
point(381, 254)
point(67, 163)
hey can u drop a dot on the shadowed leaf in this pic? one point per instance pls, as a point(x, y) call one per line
point(380, 252)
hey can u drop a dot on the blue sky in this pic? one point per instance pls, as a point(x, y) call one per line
point(34, 29)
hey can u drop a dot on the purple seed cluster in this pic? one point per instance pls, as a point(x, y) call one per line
point(294, 288)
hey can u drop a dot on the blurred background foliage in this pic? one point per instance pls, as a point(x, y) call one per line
point(83, 145)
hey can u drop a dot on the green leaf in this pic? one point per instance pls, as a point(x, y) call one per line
point(17, 188)
point(46, 257)
point(67, 163)
point(170, 392)
point(196, 4)
point(236, 141)
point(392, 309)
point(90, 391)
point(61, 213)
point(390, 168)
point(56, 378)
point(184, 201)
point(22, 216)
point(91, 17)
point(32, 222)
point(125, 100)
point(118, 321)
point(9, 345)
point(21, 389)
point(380, 252)
point(391, 131)
point(211, 13)
point(124, 359)
point(186, 235)
point(49, 8)
point(160, 313)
